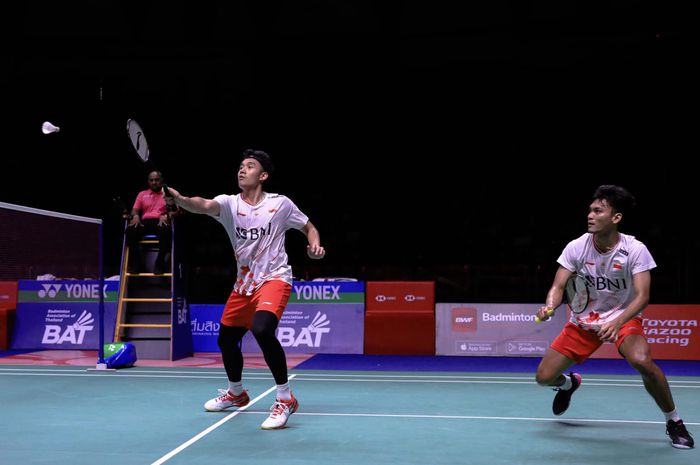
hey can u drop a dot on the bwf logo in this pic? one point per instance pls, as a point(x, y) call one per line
point(464, 319)
point(73, 334)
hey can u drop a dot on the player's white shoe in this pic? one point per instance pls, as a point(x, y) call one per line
point(281, 410)
point(226, 400)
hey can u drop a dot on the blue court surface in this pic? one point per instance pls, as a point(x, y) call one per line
point(353, 410)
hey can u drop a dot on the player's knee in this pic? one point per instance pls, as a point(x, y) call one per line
point(229, 337)
point(264, 325)
point(643, 364)
point(263, 331)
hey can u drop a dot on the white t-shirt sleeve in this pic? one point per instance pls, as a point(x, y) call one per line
point(642, 259)
point(570, 257)
point(296, 219)
point(225, 209)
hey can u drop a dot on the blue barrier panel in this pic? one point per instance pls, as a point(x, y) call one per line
point(321, 317)
point(63, 314)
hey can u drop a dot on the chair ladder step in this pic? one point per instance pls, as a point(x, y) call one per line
point(136, 275)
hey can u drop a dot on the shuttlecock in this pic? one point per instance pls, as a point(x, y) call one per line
point(48, 128)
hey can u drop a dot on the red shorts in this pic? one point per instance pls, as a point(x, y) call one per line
point(272, 296)
point(578, 344)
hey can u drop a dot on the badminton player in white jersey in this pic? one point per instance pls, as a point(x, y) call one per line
point(617, 271)
point(256, 222)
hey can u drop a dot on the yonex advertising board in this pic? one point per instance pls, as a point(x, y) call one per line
point(321, 317)
point(63, 314)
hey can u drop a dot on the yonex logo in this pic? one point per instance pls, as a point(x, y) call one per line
point(325, 292)
point(50, 290)
point(409, 297)
point(380, 298)
point(72, 291)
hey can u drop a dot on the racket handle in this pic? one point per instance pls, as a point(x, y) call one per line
point(550, 312)
point(166, 193)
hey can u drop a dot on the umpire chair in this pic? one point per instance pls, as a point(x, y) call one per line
point(152, 310)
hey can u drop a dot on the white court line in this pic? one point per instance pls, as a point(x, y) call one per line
point(587, 377)
point(477, 417)
point(196, 438)
point(361, 379)
point(112, 376)
point(337, 376)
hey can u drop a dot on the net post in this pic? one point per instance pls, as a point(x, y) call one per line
point(101, 364)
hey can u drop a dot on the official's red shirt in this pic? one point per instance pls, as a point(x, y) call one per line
point(151, 204)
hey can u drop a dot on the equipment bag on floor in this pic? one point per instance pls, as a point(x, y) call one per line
point(120, 354)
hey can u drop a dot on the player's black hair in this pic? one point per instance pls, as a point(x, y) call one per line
point(619, 198)
point(262, 157)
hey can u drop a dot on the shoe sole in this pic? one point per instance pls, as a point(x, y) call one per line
point(222, 409)
point(678, 446)
point(270, 428)
point(276, 427)
point(285, 423)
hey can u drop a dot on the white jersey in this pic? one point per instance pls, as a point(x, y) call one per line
point(257, 235)
point(608, 276)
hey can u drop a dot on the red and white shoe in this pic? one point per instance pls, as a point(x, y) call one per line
point(281, 410)
point(226, 400)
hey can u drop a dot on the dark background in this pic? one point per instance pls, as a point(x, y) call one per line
point(426, 140)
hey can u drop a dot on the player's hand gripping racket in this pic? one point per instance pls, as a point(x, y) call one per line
point(138, 140)
point(576, 296)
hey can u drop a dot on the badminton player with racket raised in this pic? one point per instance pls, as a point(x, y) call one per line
point(256, 222)
point(616, 268)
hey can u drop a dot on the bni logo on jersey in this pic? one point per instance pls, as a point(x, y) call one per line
point(72, 333)
point(464, 319)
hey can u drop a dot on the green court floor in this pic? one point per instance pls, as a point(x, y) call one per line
point(67, 415)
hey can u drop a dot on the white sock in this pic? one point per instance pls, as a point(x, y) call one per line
point(567, 383)
point(672, 415)
point(284, 392)
point(235, 388)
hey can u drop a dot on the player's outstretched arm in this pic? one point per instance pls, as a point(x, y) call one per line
point(194, 204)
